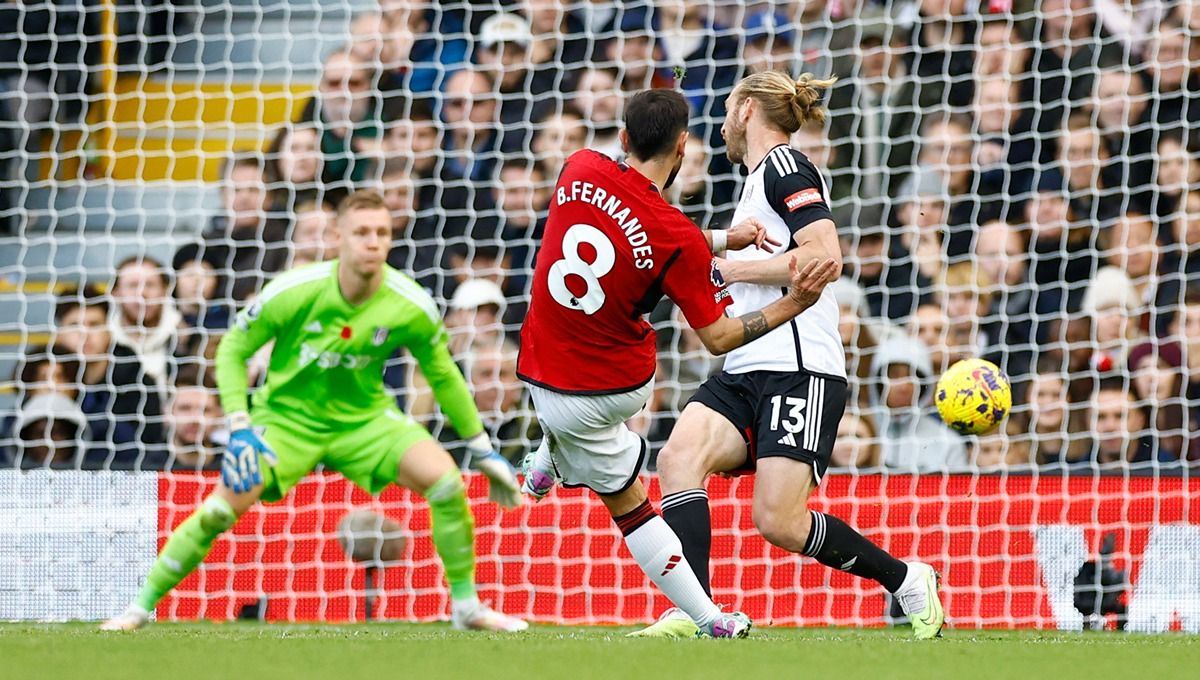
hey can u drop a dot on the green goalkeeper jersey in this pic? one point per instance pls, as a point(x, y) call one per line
point(326, 368)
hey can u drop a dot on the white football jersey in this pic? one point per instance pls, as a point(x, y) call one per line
point(786, 193)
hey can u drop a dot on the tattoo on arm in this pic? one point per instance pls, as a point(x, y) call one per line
point(754, 326)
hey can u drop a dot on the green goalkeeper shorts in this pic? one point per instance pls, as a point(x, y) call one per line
point(367, 455)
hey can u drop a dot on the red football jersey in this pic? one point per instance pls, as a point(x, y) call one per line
point(612, 247)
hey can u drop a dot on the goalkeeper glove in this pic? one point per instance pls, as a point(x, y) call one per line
point(503, 487)
point(239, 468)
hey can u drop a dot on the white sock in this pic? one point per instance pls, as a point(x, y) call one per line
point(660, 554)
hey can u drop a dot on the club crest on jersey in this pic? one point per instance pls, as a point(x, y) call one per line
point(380, 337)
point(802, 198)
point(715, 275)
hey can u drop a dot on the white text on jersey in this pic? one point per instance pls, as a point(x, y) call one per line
point(632, 226)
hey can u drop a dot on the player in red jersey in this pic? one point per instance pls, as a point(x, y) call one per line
point(612, 248)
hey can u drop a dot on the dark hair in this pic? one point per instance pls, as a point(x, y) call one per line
point(1113, 382)
point(523, 164)
point(242, 160)
point(26, 373)
point(143, 259)
point(194, 375)
point(88, 296)
point(660, 116)
point(1191, 295)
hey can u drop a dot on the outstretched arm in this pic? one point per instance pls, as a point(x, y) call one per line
point(817, 241)
point(805, 287)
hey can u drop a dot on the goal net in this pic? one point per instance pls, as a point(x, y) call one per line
point(1014, 180)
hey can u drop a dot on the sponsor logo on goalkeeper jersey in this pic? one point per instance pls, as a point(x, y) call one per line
point(327, 360)
point(380, 337)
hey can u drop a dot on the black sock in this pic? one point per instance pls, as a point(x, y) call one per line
point(833, 543)
point(686, 512)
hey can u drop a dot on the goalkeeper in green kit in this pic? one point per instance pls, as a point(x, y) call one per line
point(334, 324)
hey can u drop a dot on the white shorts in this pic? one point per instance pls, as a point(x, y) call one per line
point(586, 437)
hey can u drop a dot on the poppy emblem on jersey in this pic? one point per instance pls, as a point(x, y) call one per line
point(345, 332)
point(715, 275)
point(380, 337)
point(802, 198)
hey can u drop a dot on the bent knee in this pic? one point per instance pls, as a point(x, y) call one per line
point(785, 530)
point(217, 515)
point(682, 465)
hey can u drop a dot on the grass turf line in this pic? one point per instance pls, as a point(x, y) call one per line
point(257, 652)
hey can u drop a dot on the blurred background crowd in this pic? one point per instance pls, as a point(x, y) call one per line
point(1016, 180)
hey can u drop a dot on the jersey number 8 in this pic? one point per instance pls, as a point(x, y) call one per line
point(573, 263)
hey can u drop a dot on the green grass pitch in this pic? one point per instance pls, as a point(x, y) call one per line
point(258, 652)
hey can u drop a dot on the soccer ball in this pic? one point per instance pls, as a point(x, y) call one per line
point(973, 396)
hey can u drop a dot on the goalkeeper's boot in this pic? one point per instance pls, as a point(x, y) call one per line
point(483, 617)
point(918, 597)
point(540, 476)
point(673, 623)
point(732, 625)
point(131, 619)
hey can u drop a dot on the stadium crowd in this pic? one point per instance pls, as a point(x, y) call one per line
point(1012, 180)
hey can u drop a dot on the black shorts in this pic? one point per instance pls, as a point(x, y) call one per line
point(793, 415)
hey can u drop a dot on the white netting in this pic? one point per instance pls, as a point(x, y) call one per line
point(1017, 180)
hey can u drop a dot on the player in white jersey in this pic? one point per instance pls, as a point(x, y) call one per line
point(775, 408)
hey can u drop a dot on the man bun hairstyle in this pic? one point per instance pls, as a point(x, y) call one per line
point(658, 116)
point(787, 103)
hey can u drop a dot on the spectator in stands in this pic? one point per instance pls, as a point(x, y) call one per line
point(1186, 226)
point(894, 287)
point(1174, 60)
point(638, 53)
point(400, 194)
point(1062, 254)
point(1112, 304)
point(522, 196)
point(294, 166)
point(770, 40)
point(930, 325)
point(203, 316)
point(1131, 23)
point(913, 439)
point(560, 42)
point(920, 227)
point(1065, 58)
point(874, 114)
point(943, 53)
point(1131, 245)
point(556, 136)
point(1122, 436)
point(1006, 147)
point(314, 238)
point(474, 317)
point(860, 334)
point(503, 52)
point(814, 142)
point(1003, 50)
point(1177, 171)
point(50, 431)
point(145, 318)
point(411, 139)
point(692, 187)
point(999, 449)
point(384, 50)
point(966, 293)
point(1186, 327)
point(349, 111)
point(1046, 415)
point(857, 444)
point(47, 370)
point(1093, 180)
point(600, 100)
point(500, 398)
point(243, 242)
point(473, 141)
point(119, 397)
point(432, 37)
point(813, 19)
point(195, 422)
point(1157, 373)
point(1120, 104)
point(947, 153)
point(1001, 253)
